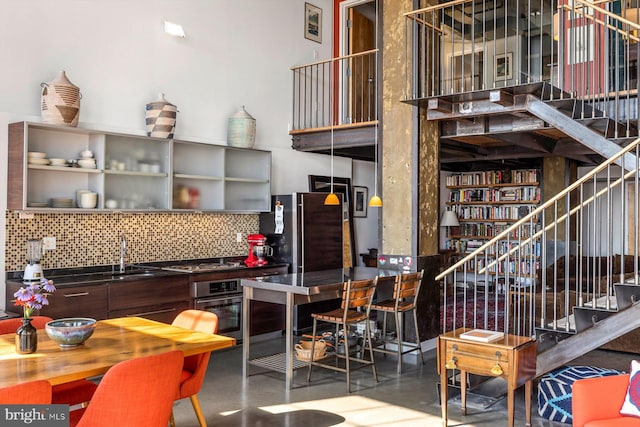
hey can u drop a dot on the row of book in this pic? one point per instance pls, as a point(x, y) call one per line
point(523, 194)
point(492, 213)
point(520, 176)
point(491, 230)
point(524, 250)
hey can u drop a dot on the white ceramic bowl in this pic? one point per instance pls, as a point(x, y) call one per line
point(86, 154)
point(58, 162)
point(87, 163)
point(36, 155)
point(87, 199)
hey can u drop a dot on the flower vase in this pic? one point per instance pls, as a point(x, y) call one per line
point(26, 338)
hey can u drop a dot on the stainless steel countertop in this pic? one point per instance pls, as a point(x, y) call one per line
point(314, 282)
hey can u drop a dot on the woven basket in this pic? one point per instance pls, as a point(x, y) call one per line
point(303, 350)
point(60, 101)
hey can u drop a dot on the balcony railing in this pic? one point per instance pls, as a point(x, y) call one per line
point(588, 50)
point(343, 88)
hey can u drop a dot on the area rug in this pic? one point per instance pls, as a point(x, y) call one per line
point(471, 313)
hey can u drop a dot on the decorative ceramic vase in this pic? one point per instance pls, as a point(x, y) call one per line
point(26, 338)
point(60, 102)
point(241, 130)
point(161, 118)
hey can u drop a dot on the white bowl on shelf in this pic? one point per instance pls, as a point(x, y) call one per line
point(36, 155)
point(58, 162)
point(87, 163)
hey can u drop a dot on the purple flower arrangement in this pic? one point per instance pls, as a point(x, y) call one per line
point(34, 296)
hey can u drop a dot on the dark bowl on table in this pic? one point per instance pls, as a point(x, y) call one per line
point(70, 332)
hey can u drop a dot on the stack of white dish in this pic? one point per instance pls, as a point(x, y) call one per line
point(61, 202)
point(37, 158)
point(87, 163)
point(86, 160)
point(58, 162)
point(86, 199)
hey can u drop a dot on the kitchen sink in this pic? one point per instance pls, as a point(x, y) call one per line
point(131, 274)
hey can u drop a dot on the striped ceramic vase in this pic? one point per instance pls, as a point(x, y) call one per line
point(161, 118)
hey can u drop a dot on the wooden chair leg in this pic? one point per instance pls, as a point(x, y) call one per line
point(198, 410)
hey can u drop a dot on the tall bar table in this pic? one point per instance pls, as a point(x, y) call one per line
point(291, 290)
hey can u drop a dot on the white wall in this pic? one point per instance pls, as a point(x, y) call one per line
point(235, 53)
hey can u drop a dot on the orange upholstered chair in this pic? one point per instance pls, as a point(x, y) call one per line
point(137, 392)
point(30, 393)
point(195, 366)
point(596, 402)
point(71, 393)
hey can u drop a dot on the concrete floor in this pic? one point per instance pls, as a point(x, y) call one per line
point(410, 399)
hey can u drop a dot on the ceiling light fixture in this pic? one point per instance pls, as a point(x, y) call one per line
point(172, 29)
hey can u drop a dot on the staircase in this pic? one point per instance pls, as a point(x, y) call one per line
point(499, 75)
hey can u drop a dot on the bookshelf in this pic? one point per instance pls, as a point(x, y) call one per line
point(486, 204)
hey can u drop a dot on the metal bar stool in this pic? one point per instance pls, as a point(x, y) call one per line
point(405, 294)
point(356, 305)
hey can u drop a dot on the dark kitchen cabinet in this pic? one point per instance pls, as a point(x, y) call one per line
point(160, 298)
point(72, 301)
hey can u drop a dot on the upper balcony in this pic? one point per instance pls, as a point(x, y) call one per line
point(573, 53)
point(336, 99)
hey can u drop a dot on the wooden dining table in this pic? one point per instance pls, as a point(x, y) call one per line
point(113, 341)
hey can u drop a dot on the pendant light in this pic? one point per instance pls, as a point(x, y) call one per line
point(332, 198)
point(376, 201)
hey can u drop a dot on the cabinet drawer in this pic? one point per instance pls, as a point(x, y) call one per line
point(478, 358)
point(148, 292)
point(81, 301)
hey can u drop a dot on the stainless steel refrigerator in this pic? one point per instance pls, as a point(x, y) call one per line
point(308, 235)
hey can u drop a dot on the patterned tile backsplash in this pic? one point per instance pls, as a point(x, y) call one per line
point(84, 240)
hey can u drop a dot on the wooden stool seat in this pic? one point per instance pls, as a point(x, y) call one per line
point(356, 306)
point(405, 294)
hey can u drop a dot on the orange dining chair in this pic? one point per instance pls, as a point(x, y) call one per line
point(136, 392)
point(194, 366)
point(29, 393)
point(72, 393)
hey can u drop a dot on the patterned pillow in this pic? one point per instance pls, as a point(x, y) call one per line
point(631, 405)
point(555, 390)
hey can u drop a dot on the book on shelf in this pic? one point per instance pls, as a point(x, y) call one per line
point(482, 335)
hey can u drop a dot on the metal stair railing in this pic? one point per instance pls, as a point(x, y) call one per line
point(515, 283)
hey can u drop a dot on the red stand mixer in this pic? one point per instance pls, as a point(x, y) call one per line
point(258, 251)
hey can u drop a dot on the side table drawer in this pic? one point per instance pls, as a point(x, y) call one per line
point(479, 358)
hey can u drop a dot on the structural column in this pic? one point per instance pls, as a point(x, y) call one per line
point(409, 154)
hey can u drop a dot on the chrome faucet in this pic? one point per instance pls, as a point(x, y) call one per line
point(123, 251)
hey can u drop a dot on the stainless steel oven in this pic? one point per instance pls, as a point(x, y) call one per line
point(224, 298)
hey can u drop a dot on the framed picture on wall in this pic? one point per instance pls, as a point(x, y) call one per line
point(504, 66)
point(360, 198)
point(312, 22)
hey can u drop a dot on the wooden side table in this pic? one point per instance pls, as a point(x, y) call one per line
point(512, 357)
